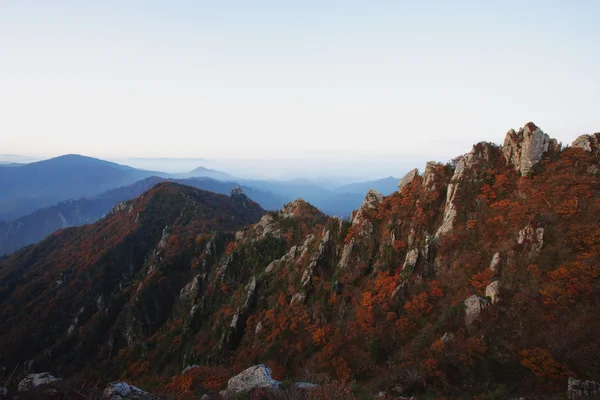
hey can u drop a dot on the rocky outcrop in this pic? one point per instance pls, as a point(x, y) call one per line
point(481, 155)
point(533, 238)
point(589, 143)
point(258, 376)
point(411, 259)
point(407, 179)
point(33, 381)
point(429, 175)
point(125, 391)
point(579, 389)
point(298, 299)
point(370, 203)
point(232, 336)
point(493, 291)
point(473, 307)
point(164, 238)
point(523, 150)
point(495, 263)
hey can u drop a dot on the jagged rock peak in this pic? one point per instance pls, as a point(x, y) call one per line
point(371, 202)
point(238, 196)
point(407, 179)
point(301, 207)
point(527, 147)
point(236, 191)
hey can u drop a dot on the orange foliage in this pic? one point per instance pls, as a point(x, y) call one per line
point(543, 365)
point(480, 280)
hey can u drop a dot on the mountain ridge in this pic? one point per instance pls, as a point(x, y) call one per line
point(477, 279)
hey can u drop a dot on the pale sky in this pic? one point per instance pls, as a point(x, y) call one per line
point(250, 79)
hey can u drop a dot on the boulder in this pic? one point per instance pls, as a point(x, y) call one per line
point(33, 381)
point(579, 389)
point(258, 376)
point(298, 299)
point(407, 179)
point(123, 390)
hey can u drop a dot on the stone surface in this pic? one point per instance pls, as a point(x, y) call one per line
point(532, 237)
point(123, 390)
point(407, 179)
point(371, 202)
point(298, 299)
point(32, 381)
point(411, 259)
point(580, 389)
point(495, 263)
point(473, 308)
point(258, 376)
point(479, 154)
point(493, 291)
point(523, 150)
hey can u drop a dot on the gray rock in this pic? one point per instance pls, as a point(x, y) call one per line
point(579, 389)
point(123, 390)
point(411, 259)
point(32, 381)
point(407, 179)
point(495, 263)
point(298, 299)
point(493, 291)
point(473, 307)
point(305, 386)
point(523, 150)
point(371, 202)
point(258, 376)
point(532, 237)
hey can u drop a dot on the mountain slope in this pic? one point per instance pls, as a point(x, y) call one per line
point(34, 227)
point(28, 187)
point(88, 278)
point(479, 279)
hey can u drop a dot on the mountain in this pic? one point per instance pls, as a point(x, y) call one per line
point(332, 203)
point(34, 227)
point(202, 172)
point(385, 186)
point(29, 187)
point(479, 278)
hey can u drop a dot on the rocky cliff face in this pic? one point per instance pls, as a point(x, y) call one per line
point(524, 149)
point(477, 278)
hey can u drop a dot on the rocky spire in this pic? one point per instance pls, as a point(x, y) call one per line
point(407, 179)
point(527, 147)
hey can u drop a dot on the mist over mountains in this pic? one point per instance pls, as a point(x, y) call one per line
point(38, 198)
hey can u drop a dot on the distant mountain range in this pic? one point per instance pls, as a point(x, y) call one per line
point(34, 227)
point(29, 187)
point(39, 198)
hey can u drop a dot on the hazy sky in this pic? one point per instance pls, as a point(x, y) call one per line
point(259, 78)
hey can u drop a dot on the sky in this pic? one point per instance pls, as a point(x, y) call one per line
point(369, 82)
